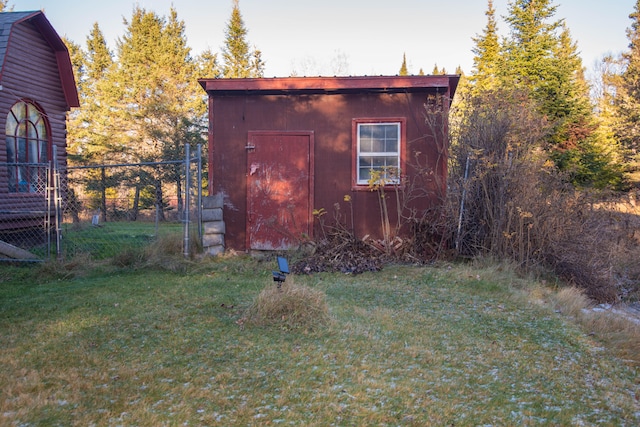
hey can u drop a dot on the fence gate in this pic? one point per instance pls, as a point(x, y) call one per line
point(27, 214)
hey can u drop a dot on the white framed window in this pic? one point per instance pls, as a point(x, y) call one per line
point(379, 151)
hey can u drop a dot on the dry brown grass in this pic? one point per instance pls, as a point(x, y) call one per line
point(166, 252)
point(617, 331)
point(77, 266)
point(289, 306)
point(613, 325)
point(571, 301)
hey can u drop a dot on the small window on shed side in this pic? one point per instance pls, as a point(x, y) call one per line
point(379, 151)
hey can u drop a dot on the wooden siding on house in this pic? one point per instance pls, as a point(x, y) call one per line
point(30, 72)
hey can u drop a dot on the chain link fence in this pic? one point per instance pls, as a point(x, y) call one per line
point(101, 210)
point(26, 211)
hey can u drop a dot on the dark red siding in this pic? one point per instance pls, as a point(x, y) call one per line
point(329, 115)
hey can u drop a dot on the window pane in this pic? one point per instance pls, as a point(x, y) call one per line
point(379, 162)
point(22, 129)
point(377, 146)
point(23, 185)
point(365, 145)
point(26, 142)
point(391, 138)
point(32, 133)
point(33, 151)
point(33, 179)
point(365, 131)
point(379, 138)
point(44, 155)
point(377, 131)
point(20, 111)
point(11, 158)
point(390, 130)
point(391, 146)
point(10, 127)
point(365, 161)
point(34, 114)
point(365, 174)
point(11, 150)
point(22, 150)
point(41, 129)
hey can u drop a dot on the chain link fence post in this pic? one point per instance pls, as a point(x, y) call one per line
point(187, 198)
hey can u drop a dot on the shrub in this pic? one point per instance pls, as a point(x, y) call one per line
point(508, 200)
point(290, 306)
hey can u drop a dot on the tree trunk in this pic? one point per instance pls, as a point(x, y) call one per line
point(179, 191)
point(136, 204)
point(103, 194)
point(159, 201)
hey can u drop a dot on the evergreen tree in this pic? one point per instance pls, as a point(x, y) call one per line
point(486, 60)
point(156, 81)
point(529, 50)
point(579, 145)
point(541, 59)
point(626, 98)
point(403, 68)
point(100, 58)
point(239, 61)
point(158, 95)
point(92, 132)
point(567, 94)
point(438, 71)
point(208, 66)
point(78, 61)
point(257, 63)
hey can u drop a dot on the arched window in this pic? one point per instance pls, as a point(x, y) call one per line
point(27, 147)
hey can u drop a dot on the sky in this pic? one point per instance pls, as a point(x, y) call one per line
point(366, 37)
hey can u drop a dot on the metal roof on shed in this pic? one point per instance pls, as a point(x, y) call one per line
point(352, 84)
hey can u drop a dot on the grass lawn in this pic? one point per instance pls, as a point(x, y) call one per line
point(110, 238)
point(409, 346)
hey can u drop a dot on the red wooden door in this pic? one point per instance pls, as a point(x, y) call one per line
point(279, 189)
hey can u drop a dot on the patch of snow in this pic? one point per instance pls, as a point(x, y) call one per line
point(630, 312)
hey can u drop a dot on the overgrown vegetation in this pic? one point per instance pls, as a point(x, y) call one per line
point(513, 203)
point(447, 344)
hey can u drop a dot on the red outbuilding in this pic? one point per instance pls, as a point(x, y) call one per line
point(282, 149)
